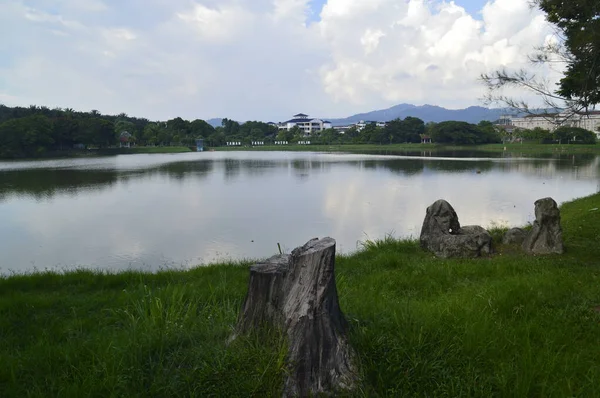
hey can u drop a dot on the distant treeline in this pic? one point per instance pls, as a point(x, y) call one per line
point(561, 135)
point(37, 131)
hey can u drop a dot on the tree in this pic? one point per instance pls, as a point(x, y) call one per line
point(230, 127)
point(537, 134)
point(200, 128)
point(178, 126)
point(489, 132)
point(574, 134)
point(577, 27)
point(151, 132)
point(352, 135)
point(461, 133)
point(97, 131)
point(329, 136)
point(216, 139)
point(27, 136)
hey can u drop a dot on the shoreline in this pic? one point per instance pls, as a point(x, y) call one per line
point(369, 149)
point(400, 149)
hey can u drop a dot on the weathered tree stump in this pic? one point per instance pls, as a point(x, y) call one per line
point(297, 293)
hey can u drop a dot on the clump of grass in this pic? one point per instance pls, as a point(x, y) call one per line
point(507, 325)
point(497, 231)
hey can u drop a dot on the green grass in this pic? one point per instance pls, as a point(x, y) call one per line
point(506, 326)
point(143, 149)
point(403, 149)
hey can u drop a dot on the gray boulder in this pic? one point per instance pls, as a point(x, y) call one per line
point(442, 234)
point(546, 234)
point(514, 236)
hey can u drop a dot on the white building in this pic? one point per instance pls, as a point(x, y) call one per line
point(304, 123)
point(362, 124)
point(589, 121)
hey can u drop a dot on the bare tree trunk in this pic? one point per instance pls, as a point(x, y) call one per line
point(297, 293)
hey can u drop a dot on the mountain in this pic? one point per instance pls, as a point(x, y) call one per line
point(216, 122)
point(427, 113)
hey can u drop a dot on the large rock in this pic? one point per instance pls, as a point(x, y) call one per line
point(546, 234)
point(514, 236)
point(297, 294)
point(442, 234)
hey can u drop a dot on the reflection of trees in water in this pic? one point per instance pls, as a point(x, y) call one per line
point(415, 166)
point(303, 168)
point(232, 168)
point(547, 166)
point(46, 183)
point(181, 170)
point(400, 166)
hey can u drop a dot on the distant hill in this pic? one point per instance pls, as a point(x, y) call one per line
point(216, 122)
point(427, 113)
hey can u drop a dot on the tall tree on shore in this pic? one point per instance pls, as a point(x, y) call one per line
point(577, 27)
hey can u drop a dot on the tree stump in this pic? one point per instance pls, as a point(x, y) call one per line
point(297, 293)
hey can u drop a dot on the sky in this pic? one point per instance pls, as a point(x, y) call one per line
point(259, 59)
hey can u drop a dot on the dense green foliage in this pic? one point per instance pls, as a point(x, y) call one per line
point(579, 24)
point(576, 48)
point(511, 325)
point(462, 133)
point(39, 131)
point(574, 134)
point(562, 135)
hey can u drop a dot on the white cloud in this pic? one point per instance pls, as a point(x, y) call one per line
point(217, 24)
point(426, 55)
point(256, 59)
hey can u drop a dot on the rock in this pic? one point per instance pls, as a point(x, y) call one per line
point(442, 234)
point(546, 234)
point(297, 294)
point(514, 236)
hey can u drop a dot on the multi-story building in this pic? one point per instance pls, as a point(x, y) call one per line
point(306, 124)
point(589, 121)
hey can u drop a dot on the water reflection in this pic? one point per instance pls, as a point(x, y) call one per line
point(44, 183)
point(146, 212)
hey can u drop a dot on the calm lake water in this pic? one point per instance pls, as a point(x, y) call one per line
point(181, 210)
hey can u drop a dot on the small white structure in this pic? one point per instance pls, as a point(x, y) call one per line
point(362, 124)
point(234, 143)
point(303, 142)
point(257, 143)
point(125, 139)
point(281, 142)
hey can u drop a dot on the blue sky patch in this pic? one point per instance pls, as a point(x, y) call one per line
point(473, 7)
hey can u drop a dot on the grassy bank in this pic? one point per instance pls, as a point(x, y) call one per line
point(143, 149)
point(510, 325)
point(408, 149)
point(78, 153)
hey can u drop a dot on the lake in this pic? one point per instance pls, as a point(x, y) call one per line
point(180, 210)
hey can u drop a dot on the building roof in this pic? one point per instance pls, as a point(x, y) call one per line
point(300, 115)
point(301, 120)
point(541, 115)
